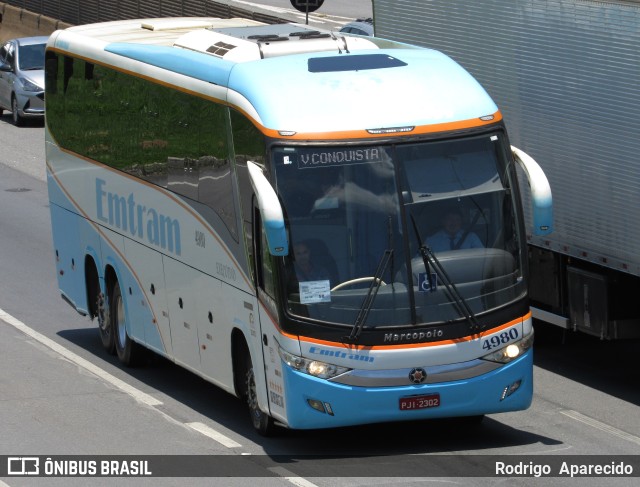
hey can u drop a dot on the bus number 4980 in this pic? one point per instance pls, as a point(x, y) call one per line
point(501, 339)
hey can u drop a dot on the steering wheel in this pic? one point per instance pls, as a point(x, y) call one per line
point(358, 281)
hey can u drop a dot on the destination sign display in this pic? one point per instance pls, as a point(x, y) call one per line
point(339, 156)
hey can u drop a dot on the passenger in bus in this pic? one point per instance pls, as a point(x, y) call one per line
point(452, 236)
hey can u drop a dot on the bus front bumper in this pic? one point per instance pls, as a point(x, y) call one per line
point(316, 403)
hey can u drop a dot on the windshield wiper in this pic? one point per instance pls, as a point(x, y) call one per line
point(458, 301)
point(367, 304)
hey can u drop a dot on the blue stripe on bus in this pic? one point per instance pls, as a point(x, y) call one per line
point(67, 227)
point(182, 61)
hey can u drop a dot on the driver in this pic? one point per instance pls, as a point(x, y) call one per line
point(452, 236)
point(306, 269)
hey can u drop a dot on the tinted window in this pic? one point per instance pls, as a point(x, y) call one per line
point(31, 56)
point(3, 52)
point(165, 136)
point(248, 145)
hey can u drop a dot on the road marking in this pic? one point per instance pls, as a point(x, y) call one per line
point(297, 13)
point(214, 435)
point(130, 390)
point(291, 477)
point(601, 426)
point(137, 394)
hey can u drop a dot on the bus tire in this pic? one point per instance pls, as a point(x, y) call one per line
point(126, 348)
point(262, 422)
point(104, 324)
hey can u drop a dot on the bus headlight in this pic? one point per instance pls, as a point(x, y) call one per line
point(315, 368)
point(511, 351)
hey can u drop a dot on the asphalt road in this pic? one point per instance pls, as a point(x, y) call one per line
point(332, 12)
point(60, 394)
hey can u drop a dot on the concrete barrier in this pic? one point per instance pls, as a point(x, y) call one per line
point(18, 22)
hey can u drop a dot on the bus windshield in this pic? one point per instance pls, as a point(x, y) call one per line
point(358, 217)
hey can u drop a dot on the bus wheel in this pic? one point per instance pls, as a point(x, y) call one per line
point(104, 324)
point(263, 423)
point(125, 347)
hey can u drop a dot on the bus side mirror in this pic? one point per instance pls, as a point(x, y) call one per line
point(270, 211)
point(541, 200)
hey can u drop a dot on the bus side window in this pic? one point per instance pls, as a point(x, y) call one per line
point(248, 145)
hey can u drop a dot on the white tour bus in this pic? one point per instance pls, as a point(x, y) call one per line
point(326, 226)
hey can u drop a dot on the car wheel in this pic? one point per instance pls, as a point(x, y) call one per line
point(17, 119)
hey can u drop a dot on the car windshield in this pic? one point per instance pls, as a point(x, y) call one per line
point(358, 217)
point(31, 56)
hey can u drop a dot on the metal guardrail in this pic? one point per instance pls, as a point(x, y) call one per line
point(78, 12)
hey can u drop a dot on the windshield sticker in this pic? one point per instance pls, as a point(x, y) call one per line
point(427, 283)
point(315, 292)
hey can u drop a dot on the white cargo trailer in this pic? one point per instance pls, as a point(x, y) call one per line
point(566, 74)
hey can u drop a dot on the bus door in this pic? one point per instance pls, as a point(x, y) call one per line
point(270, 373)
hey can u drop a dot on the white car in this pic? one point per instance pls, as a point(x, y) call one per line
point(361, 27)
point(22, 77)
